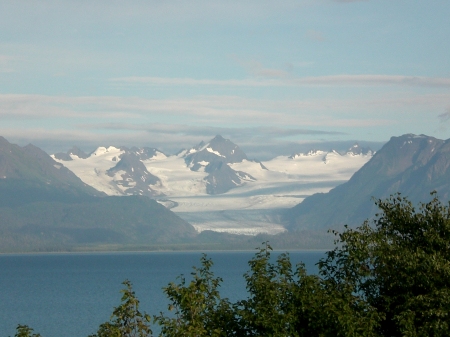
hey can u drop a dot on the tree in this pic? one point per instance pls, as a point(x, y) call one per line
point(286, 301)
point(25, 331)
point(388, 277)
point(282, 301)
point(400, 266)
point(126, 319)
point(198, 308)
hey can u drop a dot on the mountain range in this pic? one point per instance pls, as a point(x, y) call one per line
point(44, 206)
point(124, 197)
point(123, 171)
point(214, 185)
point(211, 168)
point(413, 165)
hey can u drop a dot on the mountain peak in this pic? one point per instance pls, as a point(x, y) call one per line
point(357, 150)
point(66, 156)
point(217, 149)
point(31, 165)
point(132, 176)
point(409, 164)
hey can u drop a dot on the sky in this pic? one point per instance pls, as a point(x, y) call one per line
point(269, 75)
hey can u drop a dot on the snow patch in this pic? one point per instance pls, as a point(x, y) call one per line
point(217, 153)
point(158, 156)
point(243, 229)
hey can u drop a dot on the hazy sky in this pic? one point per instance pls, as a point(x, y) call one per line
point(168, 74)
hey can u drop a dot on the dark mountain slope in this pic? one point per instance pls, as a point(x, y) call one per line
point(37, 169)
point(74, 150)
point(44, 206)
point(110, 220)
point(412, 165)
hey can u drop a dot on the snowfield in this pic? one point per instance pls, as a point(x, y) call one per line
point(282, 182)
point(92, 170)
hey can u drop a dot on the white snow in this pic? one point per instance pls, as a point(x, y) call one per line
point(92, 170)
point(177, 179)
point(217, 153)
point(284, 184)
point(247, 228)
point(158, 156)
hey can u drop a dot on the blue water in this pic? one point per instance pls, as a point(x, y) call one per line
point(70, 295)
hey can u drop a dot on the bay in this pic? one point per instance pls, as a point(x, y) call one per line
point(70, 295)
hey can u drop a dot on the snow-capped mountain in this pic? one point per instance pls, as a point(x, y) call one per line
point(217, 150)
point(115, 171)
point(210, 168)
point(413, 165)
point(123, 171)
point(46, 207)
point(131, 176)
point(213, 158)
point(215, 176)
point(354, 150)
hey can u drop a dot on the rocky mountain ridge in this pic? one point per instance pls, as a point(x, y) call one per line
point(214, 168)
point(413, 165)
point(45, 206)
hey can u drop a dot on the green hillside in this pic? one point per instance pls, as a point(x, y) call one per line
point(45, 207)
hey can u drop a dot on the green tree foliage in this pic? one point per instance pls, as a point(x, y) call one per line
point(286, 301)
point(400, 266)
point(126, 319)
point(198, 308)
point(390, 277)
point(25, 331)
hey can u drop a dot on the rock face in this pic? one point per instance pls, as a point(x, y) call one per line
point(217, 149)
point(28, 173)
point(145, 153)
point(358, 150)
point(409, 164)
point(132, 176)
point(214, 158)
point(73, 151)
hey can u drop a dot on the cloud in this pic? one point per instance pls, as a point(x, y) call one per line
point(259, 142)
point(349, 1)
point(20, 106)
point(6, 64)
point(115, 12)
point(279, 78)
point(444, 117)
point(163, 81)
point(56, 123)
point(257, 69)
point(219, 110)
point(315, 35)
point(210, 131)
point(377, 80)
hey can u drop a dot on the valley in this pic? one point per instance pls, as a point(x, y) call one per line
point(252, 192)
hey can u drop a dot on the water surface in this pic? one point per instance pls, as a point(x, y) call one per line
point(69, 295)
